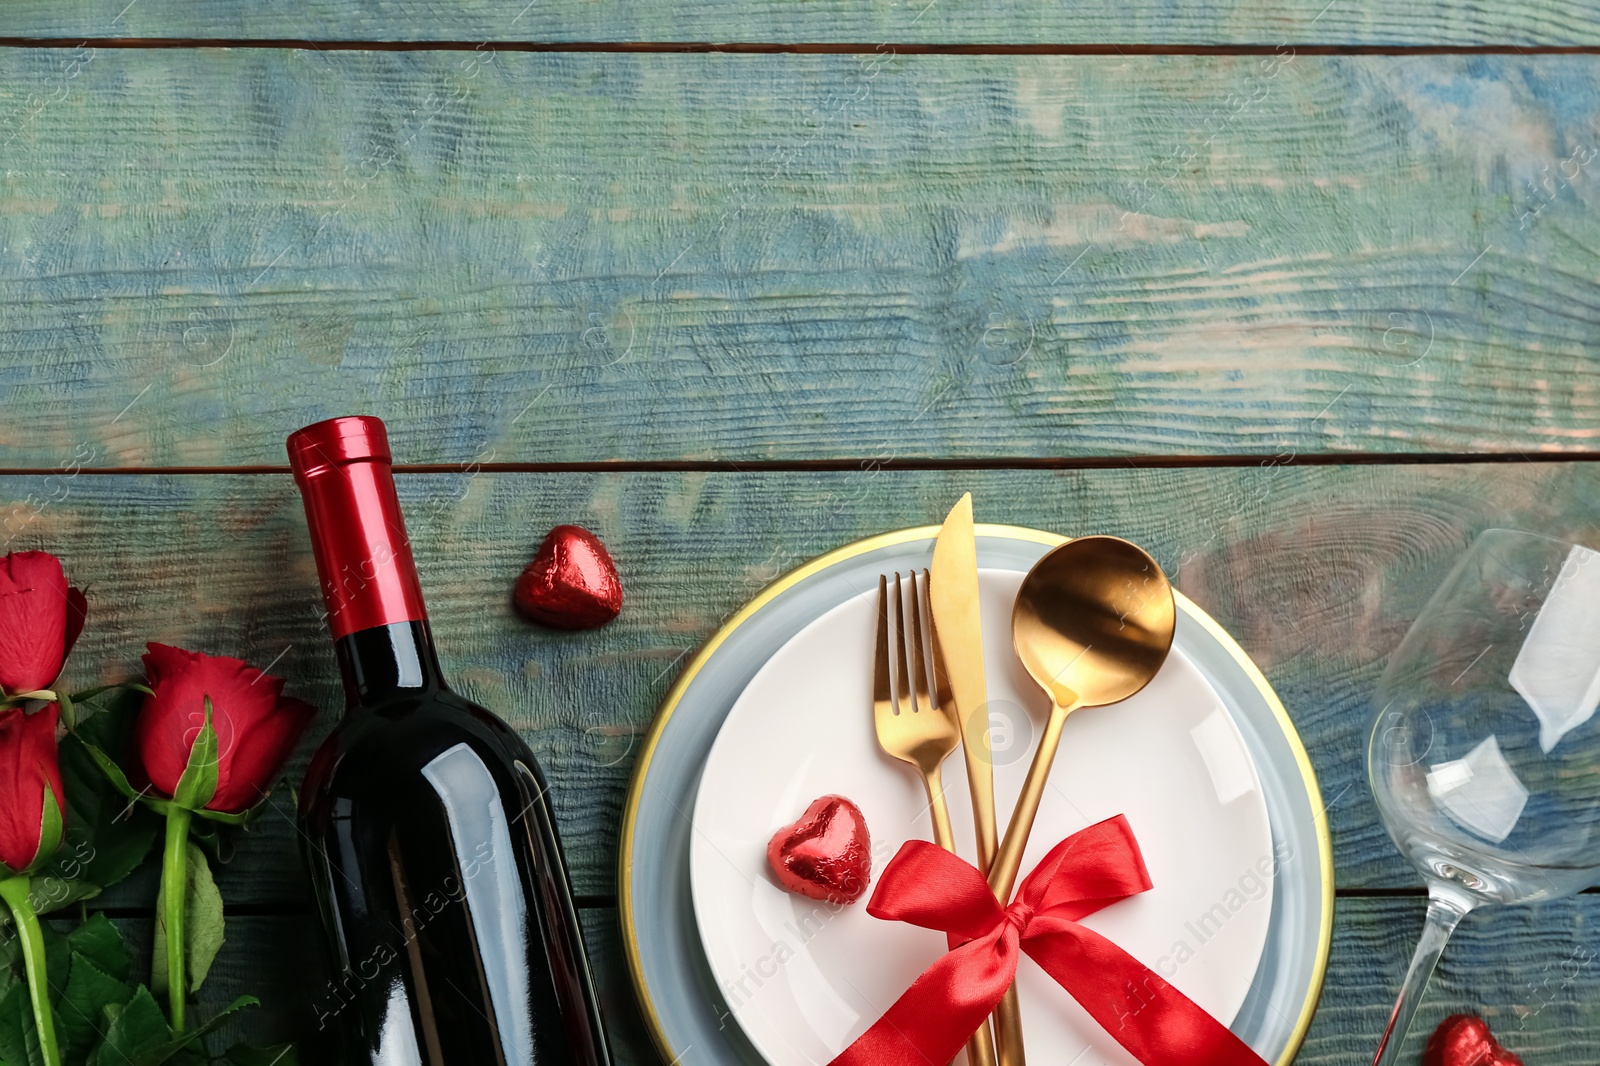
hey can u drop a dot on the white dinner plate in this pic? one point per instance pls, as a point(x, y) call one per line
point(804, 978)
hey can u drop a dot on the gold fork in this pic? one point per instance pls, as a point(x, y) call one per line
point(913, 727)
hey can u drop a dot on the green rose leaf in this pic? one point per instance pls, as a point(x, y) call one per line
point(81, 1010)
point(202, 916)
point(51, 891)
point(99, 941)
point(113, 773)
point(139, 1034)
point(107, 835)
point(137, 1028)
point(19, 1044)
point(119, 833)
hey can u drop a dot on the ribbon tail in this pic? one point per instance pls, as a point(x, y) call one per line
point(1155, 1022)
point(932, 1019)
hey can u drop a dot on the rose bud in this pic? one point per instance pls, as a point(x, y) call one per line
point(256, 726)
point(40, 619)
point(29, 770)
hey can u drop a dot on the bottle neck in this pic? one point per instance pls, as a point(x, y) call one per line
point(369, 580)
point(387, 661)
point(359, 539)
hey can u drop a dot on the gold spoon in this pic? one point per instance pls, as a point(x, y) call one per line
point(1093, 623)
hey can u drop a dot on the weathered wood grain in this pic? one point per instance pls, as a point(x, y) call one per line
point(1531, 971)
point(1316, 570)
point(1364, 22)
point(591, 257)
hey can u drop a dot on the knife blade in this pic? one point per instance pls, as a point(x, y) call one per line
point(958, 639)
point(953, 593)
point(958, 629)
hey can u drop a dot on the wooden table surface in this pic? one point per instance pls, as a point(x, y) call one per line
point(1300, 295)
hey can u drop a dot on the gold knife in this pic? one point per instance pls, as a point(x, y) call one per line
point(953, 595)
point(953, 592)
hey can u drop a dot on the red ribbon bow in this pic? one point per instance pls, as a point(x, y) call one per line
point(1093, 868)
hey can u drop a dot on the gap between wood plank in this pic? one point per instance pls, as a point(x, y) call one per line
point(759, 466)
point(801, 48)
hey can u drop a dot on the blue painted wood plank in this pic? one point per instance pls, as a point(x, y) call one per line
point(1360, 22)
point(1316, 570)
point(587, 257)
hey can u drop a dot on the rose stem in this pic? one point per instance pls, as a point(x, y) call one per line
point(14, 890)
point(174, 890)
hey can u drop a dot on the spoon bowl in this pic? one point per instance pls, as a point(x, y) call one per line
point(1093, 621)
point(1092, 624)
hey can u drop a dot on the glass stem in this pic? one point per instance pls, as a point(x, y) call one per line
point(1445, 911)
point(174, 893)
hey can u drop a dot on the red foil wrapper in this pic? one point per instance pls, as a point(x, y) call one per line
point(1465, 1040)
point(827, 854)
point(571, 583)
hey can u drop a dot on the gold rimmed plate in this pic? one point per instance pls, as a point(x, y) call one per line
point(688, 1009)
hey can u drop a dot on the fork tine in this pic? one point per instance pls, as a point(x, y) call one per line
point(942, 697)
point(902, 699)
point(919, 665)
point(880, 658)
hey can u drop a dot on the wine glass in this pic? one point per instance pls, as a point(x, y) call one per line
point(1485, 756)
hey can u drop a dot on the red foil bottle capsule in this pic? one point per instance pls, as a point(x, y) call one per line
point(357, 532)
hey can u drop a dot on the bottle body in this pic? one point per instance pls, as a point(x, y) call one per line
point(428, 832)
point(426, 826)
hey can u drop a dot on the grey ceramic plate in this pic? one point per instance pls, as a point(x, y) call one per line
point(682, 1004)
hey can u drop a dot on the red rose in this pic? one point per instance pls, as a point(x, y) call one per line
point(40, 619)
point(28, 767)
point(256, 726)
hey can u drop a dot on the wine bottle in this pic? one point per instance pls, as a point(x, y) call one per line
point(426, 823)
